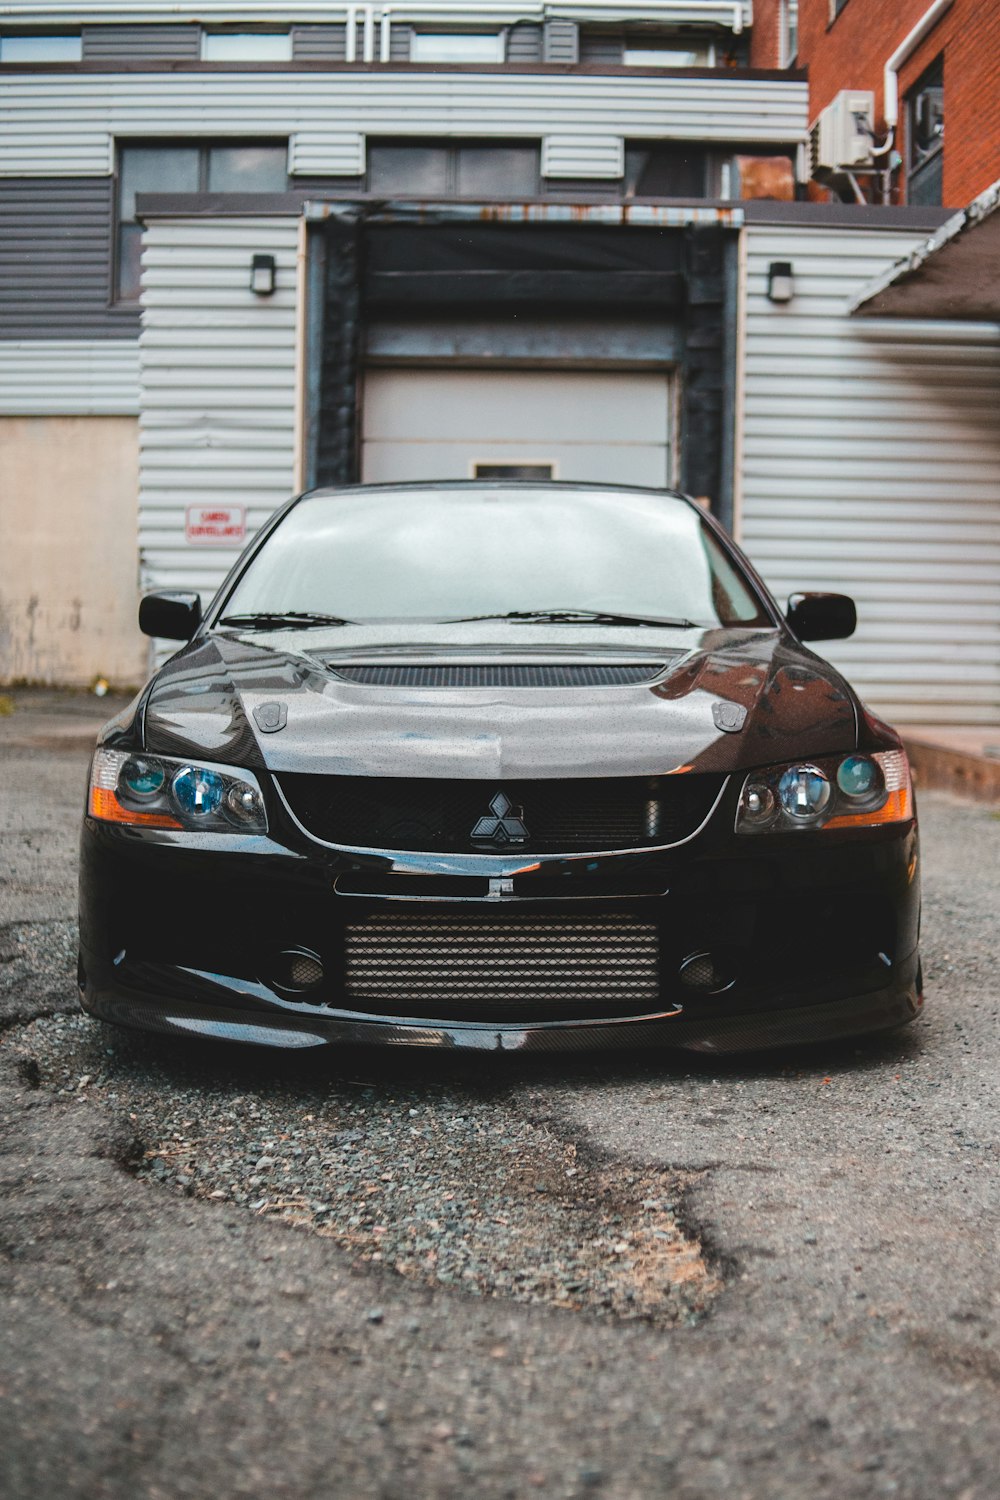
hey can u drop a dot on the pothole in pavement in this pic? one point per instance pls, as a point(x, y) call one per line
point(434, 1174)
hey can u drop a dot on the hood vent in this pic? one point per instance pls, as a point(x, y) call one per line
point(505, 674)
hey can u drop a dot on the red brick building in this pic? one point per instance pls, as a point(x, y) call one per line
point(924, 62)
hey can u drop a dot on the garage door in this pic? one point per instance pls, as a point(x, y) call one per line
point(605, 427)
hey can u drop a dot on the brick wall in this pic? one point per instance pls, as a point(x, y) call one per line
point(765, 39)
point(851, 51)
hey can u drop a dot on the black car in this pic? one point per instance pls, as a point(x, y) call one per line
point(499, 766)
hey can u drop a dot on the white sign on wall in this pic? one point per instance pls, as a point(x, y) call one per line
point(215, 524)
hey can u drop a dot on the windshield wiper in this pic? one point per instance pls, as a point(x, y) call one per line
point(282, 619)
point(578, 616)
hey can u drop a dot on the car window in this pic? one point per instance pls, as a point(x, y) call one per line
point(426, 554)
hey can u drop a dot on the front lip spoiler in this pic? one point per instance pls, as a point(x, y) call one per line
point(196, 1001)
point(156, 1001)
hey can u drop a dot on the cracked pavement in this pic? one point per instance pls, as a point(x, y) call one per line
point(160, 1344)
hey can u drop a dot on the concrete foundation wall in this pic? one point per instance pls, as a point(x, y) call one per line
point(69, 583)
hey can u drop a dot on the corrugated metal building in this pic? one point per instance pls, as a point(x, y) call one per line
point(536, 263)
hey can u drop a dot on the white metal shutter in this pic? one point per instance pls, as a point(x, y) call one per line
point(606, 427)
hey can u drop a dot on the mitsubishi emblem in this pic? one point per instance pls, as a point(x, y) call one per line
point(504, 826)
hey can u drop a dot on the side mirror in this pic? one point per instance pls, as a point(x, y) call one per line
point(822, 617)
point(174, 617)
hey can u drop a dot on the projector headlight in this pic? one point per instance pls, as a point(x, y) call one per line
point(157, 791)
point(851, 791)
point(803, 793)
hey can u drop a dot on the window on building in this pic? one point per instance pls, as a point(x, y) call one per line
point(462, 169)
point(66, 48)
point(456, 47)
point(836, 6)
point(789, 35)
point(667, 171)
point(246, 46)
point(195, 167)
point(667, 52)
point(925, 137)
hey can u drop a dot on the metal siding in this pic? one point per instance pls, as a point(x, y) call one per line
point(141, 43)
point(870, 461)
point(69, 377)
point(399, 43)
point(60, 124)
point(524, 43)
point(320, 43)
point(601, 49)
point(55, 260)
point(581, 156)
point(218, 388)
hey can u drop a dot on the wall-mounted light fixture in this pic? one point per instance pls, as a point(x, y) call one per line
point(780, 281)
point(262, 275)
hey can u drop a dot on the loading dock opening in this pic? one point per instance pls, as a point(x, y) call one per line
point(623, 287)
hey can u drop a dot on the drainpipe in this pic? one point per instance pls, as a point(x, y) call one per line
point(909, 45)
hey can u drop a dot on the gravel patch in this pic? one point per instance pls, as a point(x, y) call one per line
point(425, 1169)
point(37, 969)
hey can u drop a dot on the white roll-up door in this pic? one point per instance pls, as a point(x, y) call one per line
point(607, 427)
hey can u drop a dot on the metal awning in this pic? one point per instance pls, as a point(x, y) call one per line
point(955, 274)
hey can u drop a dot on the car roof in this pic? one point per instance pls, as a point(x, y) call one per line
point(555, 485)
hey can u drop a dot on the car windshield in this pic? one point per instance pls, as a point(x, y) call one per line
point(449, 554)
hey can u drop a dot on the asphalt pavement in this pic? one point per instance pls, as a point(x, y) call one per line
point(239, 1274)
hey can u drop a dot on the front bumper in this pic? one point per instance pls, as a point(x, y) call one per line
point(816, 936)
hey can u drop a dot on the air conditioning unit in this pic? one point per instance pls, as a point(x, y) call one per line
point(841, 136)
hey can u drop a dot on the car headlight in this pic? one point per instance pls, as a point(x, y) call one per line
point(156, 791)
point(849, 791)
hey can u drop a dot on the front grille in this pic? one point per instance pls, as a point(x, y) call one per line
point(505, 674)
point(560, 817)
point(501, 967)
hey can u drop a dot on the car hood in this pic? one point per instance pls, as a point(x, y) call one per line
point(712, 701)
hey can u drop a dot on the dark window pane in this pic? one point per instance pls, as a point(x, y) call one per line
point(925, 184)
point(248, 169)
point(513, 471)
point(497, 171)
point(408, 171)
point(154, 169)
point(925, 137)
point(665, 171)
point(129, 249)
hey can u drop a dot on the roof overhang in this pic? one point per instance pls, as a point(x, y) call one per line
point(655, 215)
point(954, 275)
point(731, 15)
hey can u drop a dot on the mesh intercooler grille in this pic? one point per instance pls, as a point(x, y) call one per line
point(500, 967)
